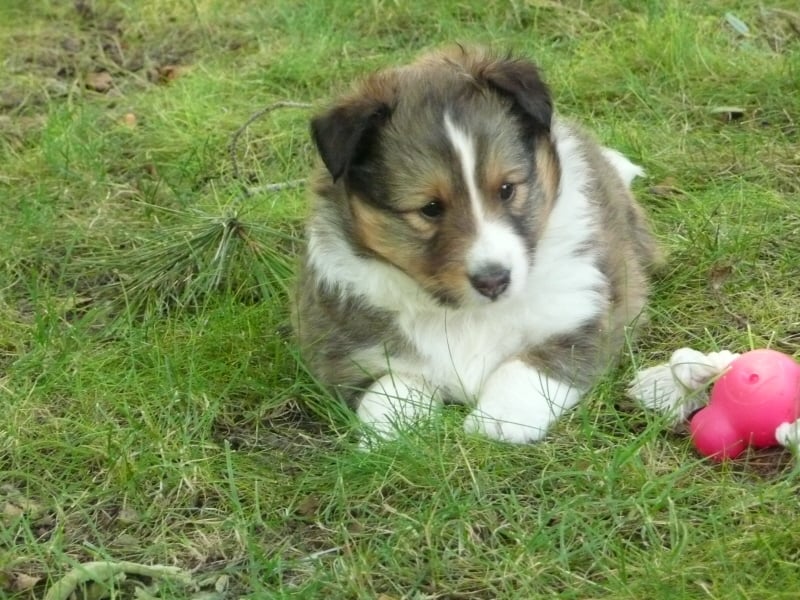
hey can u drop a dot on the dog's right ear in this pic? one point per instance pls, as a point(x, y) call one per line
point(347, 132)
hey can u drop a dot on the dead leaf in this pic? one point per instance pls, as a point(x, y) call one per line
point(126, 540)
point(221, 584)
point(737, 24)
point(128, 516)
point(100, 81)
point(15, 504)
point(719, 274)
point(71, 44)
point(308, 506)
point(11, 512)
point(129, 120)
point(168, 73)
point(728, 113)
point(103, 571)
point(666, 188)
point(20, 582)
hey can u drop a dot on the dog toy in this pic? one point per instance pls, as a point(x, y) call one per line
point(755, 400)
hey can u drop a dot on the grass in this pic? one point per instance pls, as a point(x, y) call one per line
point(152, 407)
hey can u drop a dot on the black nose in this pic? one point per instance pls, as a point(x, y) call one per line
point(491, 281)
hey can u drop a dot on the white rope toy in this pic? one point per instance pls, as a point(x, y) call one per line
point(679, 387)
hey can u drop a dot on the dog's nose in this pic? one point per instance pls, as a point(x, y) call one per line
point(491, 280)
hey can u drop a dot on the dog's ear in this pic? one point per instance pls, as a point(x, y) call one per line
point(520, 80)
point(345, 133)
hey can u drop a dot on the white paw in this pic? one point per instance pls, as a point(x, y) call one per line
point(518, 404)
point(504, 427)
point(394, 403)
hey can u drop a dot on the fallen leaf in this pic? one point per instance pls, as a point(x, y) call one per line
point(128, 516)
point(100, 81)
point(11, 512)
point(102, 571)
point(129, 120)
point(728, 113)
point(221, 585)
point(666, 188)
point(167, 73)
point(71, 44)
point(737, 24)
point(719, 274)
point(308, 506)
point(206, 595)
point(15, 503)
point(126, 540)
point(21, 582)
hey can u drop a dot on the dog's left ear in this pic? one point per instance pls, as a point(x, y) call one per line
point(520, 80)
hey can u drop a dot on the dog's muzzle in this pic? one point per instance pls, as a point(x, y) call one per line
point(491, 281)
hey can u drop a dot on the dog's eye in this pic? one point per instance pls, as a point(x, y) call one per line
point(432, 209)
point(507, 191)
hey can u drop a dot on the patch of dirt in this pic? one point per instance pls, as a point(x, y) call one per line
point(89, 51)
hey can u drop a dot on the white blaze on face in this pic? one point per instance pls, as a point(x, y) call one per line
point(496, 245)
point(464, 147)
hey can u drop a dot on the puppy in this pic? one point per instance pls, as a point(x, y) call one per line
point(466, 246)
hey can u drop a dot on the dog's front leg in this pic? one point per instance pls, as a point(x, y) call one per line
point(518, 404)
point(395, 402)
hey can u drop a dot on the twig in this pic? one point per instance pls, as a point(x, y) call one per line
point(276, 187)
point(254, 117)
point(719, 296)
point(321, 553)
point(104, 570)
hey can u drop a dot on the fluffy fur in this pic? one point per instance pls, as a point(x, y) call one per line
point(466, 246)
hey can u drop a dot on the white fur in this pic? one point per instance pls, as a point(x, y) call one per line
point(461, 348)
point(394, 401)
point(464, 147)
point(518, 404)
point(627, 170)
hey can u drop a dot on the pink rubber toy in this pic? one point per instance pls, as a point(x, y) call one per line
point(759, 391)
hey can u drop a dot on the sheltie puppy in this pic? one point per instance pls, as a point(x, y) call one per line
point(465, 245)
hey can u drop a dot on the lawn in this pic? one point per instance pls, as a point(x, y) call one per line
point(153, 408)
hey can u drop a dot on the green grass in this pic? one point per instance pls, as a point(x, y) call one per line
point(153, 410)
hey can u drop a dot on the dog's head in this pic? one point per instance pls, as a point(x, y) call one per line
point(447, 171)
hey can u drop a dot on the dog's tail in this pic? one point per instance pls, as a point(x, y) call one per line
point(627, 170)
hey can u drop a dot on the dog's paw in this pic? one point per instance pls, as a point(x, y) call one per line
point(518, 404)
point(394, 403)
point(504, 427)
